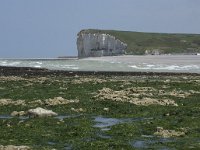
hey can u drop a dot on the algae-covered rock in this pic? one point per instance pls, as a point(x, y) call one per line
point(18, 113)
point(4, 102)
point(150, 101)
point(12, 147)
point(168, 133)
point(40, 112)
point(78, 109)
point(132, 95)
point(59, 101)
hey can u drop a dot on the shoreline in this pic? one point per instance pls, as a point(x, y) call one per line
point(30, 71)
point(103, 57)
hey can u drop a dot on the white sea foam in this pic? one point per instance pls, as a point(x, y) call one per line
point(165, 67)
point(75, 68)
point(39, 63)
point(16, 63)
point(171, 67)
point(150, 65)
point(175, 67)
point(139, 67)
point(67, 67)
point(3, 63)
point(37, 66)
point(71, 67)
point(134, 66)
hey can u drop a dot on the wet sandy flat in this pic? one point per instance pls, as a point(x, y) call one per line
point(159, 59)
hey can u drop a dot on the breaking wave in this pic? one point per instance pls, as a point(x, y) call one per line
point(165, 67)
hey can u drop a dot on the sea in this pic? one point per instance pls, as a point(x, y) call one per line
point(127, 63)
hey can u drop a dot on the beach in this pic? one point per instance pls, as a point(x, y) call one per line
point(60, 109)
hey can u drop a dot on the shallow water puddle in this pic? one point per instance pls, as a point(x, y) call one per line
point(68, 147)
point(61, 117)
point(10, 117)
point(5, 117)
point(148, 143)
point(105, 123)
point(103, 136)
point(51, 143)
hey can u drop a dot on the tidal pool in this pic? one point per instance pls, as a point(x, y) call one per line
point(147, 143)
point(105, 123)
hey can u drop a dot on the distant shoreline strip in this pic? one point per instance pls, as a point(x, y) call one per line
point(29, 71)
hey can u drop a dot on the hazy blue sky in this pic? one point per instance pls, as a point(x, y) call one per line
point(48, 28)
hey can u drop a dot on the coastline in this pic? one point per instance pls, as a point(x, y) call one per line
point(126, 63)
point(30, 71)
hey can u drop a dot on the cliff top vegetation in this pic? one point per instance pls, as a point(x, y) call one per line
point(167, 43)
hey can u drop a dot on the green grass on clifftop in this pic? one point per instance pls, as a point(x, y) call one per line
point(139, 42)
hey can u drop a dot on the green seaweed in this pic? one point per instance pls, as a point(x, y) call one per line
point(76, 130)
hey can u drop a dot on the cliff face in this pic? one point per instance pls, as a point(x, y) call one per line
point(98, 44)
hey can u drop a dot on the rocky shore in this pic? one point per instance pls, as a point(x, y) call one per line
point(48, 109)
point(28, 71)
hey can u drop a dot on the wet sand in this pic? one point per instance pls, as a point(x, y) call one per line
point(157, 59)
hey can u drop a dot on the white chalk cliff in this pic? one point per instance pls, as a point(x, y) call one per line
point(98, 44)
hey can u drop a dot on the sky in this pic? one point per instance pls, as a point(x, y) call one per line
point(48, 28)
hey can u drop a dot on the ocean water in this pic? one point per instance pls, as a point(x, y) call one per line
point(161, 63)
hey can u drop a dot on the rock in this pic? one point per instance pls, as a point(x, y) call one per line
point(154, 52)
point(77, 110)
point(168, 133)
point(40, 112)
point(150, 101)
point(59, 101)
point(53, 101)
point(4, 102)
point(86, 80)
point(20, 113)
point(106, 109)
point(167, 81)
point(12, 78)
point(134, 96)
point(98, 44)
point(35, 103)
point(12, 147)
